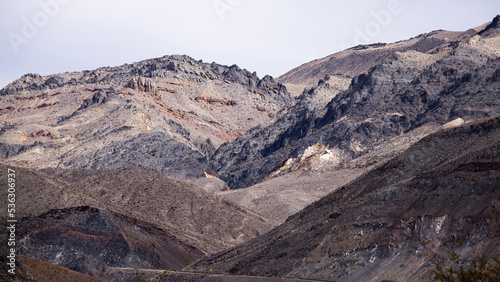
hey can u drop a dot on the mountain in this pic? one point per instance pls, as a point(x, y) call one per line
point(359, 59)
point(389, 223)
point(385, 159)
point(88, 240)
point(31, 270)
point(89, 220)
point(168, 113)
point(406, 93)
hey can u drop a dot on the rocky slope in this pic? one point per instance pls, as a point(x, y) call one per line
point(31, 270)
point(94, 153)
point(405, 93)
point(88, 220)
point(283, 196)
point(88, 240)
point(357, 60)
point(128, 274)
point(181, 108)
point(388, 223)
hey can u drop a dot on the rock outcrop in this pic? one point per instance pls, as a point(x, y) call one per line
point(359, 59)
point(183, 108)
point(89, 240)
point(394, 97)
point(142, 84)
point(389, 223)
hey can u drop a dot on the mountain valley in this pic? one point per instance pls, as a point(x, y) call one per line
point(361, 166)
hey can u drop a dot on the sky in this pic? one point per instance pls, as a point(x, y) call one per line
point(269, 37)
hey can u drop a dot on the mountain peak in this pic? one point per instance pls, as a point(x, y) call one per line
point(493, 29)
point(359, 59)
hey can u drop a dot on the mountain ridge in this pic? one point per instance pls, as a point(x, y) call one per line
point(135, 217)
point(403, 92)
point(130, 166)
point(182, 107)
point(363, 57)
point(318, 243)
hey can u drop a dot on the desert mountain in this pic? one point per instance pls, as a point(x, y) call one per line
point(359, 59)
point(389, 222)
point(88, 220)
point(408, 92)
point(32, 270)
point(390, 151)
point(168, 113)
point(88, 240)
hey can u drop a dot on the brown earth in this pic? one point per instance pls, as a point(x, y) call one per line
point(31, 270)
point(359, 59)
point(183, 108)
point(391, 221)
point(396, 194)
point(137, 217)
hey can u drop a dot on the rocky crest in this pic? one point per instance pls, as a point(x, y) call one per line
point(405, 92)
point(365, 175)
point(492, 29)
point(359, 59)
point(89, 220)
point(181, 108)
point(391, 221)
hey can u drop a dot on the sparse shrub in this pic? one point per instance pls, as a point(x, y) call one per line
point(162, 276)
point(139, 276)
point(452, 267)
point(477, 269)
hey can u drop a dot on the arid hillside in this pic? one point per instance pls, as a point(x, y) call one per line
point(357, 60)
point(169, 113)
point(406, 92)
point(365, 165)
point(391, 221)
point(88, 220)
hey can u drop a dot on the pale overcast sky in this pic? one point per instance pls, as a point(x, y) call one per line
point(270, 37)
